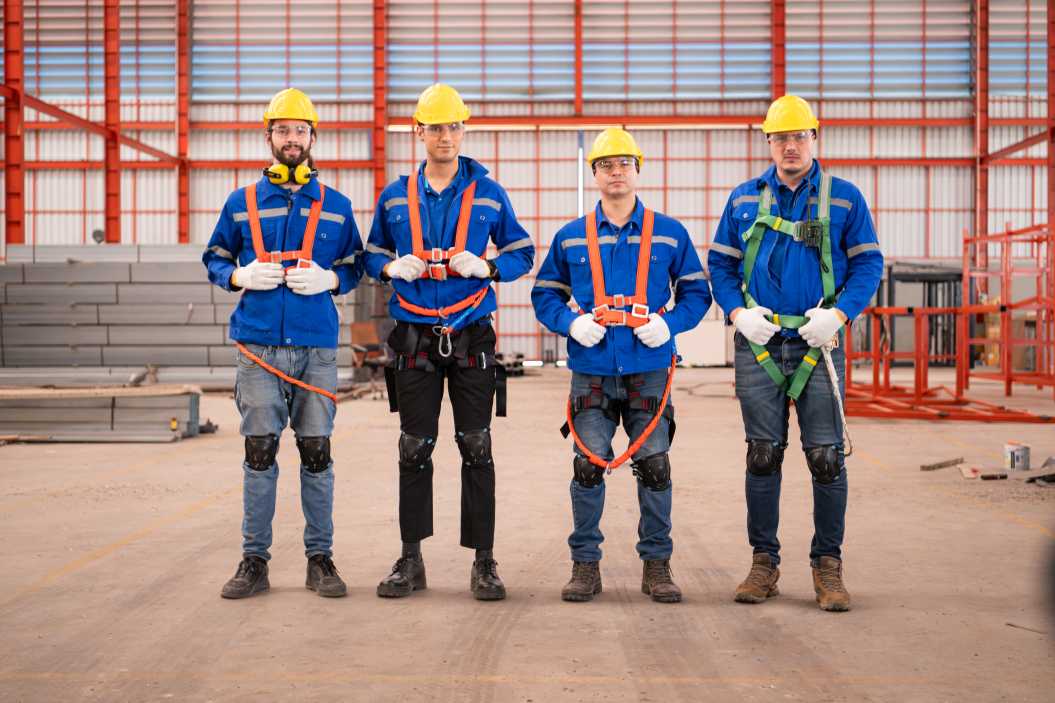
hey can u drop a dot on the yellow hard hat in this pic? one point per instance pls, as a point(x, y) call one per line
point(615, 142)
point(440, 104)
point(291, 104)
point(789, 113)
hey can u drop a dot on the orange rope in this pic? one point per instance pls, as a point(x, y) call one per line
point(619, 460)
point(283, 376)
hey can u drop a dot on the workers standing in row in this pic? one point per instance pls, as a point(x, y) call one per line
point(620, 262)
point(429, 239)
point(291, 244)
point(794, 257)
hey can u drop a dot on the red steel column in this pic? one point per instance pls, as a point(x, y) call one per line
point(112, 85)
point(1048, 333)
point(578, 57)
point(182, 120)
point(380, 154)
point(778, 48)
point(981, 137)
point(13, 154)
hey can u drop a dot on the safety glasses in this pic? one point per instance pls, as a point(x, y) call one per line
point(794, 137)
point(623, 163)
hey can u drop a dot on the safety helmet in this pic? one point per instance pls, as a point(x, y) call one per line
point(440, 104)
point(291, 104)
point(789, 113)
point(615, 142)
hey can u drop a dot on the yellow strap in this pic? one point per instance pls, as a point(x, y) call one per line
point(763, 356)
point(777, 223)
point(808, 360)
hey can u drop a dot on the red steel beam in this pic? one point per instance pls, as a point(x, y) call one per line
point(1038, 138)
point(578, 58)
point(112, 102)
point(183, 120)
point(981, 133)
point(778, 48)
point(14, 210)
point(379, 125)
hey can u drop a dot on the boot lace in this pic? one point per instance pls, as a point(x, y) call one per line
point(487, 567)
point(659, 572)
point(582, 571)
point(326, 564)
point(759, 575)
point(831, 579)
point(248, 568)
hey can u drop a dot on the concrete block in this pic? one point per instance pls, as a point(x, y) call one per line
point(190, 400)
point(88, 252)
point(48, 294)
point(11, 273)
point(57, 403)
point(179, 293)
point(55, 414)
point(166, 334)
point(220, 295)
point(49, 314)
point(60, 376)
point(170, 272)
point(177, 314)
point(81, 272)
point(222, 312)
point(41, 335)
point(52, 356)
point(171, 252)
point(222, 356)
point(159, 356)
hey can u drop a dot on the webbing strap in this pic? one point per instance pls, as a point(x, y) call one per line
point(603, 303)
point(438, 258)
point(277, 257)
point(285, 377)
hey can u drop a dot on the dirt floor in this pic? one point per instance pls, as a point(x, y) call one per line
point(113, 557)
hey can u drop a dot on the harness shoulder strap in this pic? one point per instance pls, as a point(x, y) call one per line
point(600, 293)
point(307, 245)
point(644, 257)
point(413, 206)
point(254, 224)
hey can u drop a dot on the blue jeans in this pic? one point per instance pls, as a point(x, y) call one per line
point(267, 403)
point(596, 431)
point(765, 411)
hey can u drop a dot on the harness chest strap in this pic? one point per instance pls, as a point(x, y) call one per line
point(437, 259)
point(303, 255)
point(603, 312)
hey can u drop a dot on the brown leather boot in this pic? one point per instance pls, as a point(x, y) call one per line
point(656, 581)
point(761, 581)
point(585, 582)
point(828, 584)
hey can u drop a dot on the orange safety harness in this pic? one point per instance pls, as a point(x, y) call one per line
point(438, 259)
point(303, 257)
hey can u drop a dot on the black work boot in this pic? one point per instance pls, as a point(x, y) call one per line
point(484, 581)
point(251, 578)
point(408, 575)
point(657, 581)
point(585, 582)
point(323, 578)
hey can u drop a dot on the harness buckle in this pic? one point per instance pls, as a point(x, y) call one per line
point(812, 232)
point(639, 310)
point(438, 272)
point(620, 300)
point(436, 254)
point(600, 312)
point(304, 263)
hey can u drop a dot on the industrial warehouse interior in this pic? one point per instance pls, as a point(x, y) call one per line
point(328, 331)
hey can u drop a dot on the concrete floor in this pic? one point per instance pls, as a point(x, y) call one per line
point(113, 557)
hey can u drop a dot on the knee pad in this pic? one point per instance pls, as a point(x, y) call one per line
point(415, 452)
point(586, 474)
point(764, 458)
point(260, 451)
point(653, 471)
point(314, 453)
point(475, 446)
point(825, 462)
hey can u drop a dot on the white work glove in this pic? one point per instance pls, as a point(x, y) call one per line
point(752, 323)
point(823, 325)
point(653, 333)
point(258, 276)
point(468, 265)
point(311, 281)
point(585, 330)
point(407, 267)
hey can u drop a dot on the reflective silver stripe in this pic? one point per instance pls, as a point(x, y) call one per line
point(518, 244)
point(331, 216)
point(727, 250)
point(345, 260)
point(374, 249)
point(221, 252)
point(542, 283)
point(861, 249)
point(692, 276)
point(267, 212)
point(669, 241)
point(392, 202)
point(744, 199)
point(837, 202)
point(488, 202)
point(581, 241)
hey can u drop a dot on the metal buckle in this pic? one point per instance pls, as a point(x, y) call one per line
point(619, 300)
point(639, 310)
point(438, 272)
point(812, 232)
point(599, 313)
point(304, 263)
point(437, 254)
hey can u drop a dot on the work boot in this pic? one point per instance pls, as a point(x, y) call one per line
point(656, 581)
point(408, 575)
point(249, 579)
point(828, 584)
point(585, 582)
point(761, 581)
point(484, 581)
point(323, 578)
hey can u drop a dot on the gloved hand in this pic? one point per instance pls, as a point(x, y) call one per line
point(586, 331)
point(258, 276)
point(407, 267)
point(311, 281)
point(468, 265)
point(653, 333)
point(752, 323)
point(823, 325)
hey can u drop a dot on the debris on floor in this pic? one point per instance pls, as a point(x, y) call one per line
point(941, 464)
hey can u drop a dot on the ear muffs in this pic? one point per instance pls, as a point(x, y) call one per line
point(279, 174)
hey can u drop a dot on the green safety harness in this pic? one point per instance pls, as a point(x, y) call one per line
point(813, 233)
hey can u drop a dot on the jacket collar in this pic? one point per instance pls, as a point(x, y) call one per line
point(769, 177)
point(469, 170)
point(266, 189)
point(636, 217)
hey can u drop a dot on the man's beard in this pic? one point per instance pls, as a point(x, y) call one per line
point(304, 154)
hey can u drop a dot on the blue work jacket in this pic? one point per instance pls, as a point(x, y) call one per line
point(491, 220)
point(566, 273)
point(281, 317)
point(787, 274)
